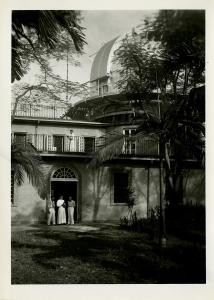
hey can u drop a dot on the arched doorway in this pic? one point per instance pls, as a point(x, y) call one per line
point(64, 182)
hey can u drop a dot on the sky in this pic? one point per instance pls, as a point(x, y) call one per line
point(100, 27)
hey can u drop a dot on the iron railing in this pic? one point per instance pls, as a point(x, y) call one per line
point(39, 111)
point(69, 144)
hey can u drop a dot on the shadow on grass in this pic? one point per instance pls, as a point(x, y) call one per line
point(129, 257)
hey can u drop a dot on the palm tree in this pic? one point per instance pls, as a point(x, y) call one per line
point(43, 26)
point(178, 133)
point(26, 160)
point(164, 65)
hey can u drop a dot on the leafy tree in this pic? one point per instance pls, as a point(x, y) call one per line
point(40, 30)
point(166, 56)
point(48, 87)
point(182, 34)
point(47, 90)
point(137, 60)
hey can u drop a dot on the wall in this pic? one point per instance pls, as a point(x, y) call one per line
point(28, 207)
point(95, 192)
point(97, 201)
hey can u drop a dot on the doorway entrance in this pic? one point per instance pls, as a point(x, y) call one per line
point(58, 142)
point(65, 183)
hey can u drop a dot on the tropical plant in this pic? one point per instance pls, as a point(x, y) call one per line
point(172, 69)
point(26, 160)
point(39, 36)
point(130, 201)
point(40, 31)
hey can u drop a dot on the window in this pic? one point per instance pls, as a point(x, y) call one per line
point(64, 173)
point(12, 187)
point(120, 186)
point(129, 145)
point(20, 137)
point(89, 144)
point(58, 142)
point(105, 89)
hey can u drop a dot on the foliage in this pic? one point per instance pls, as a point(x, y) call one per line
point(182, 33)
point(137, 60)
point(130, 197)
point(45, 91)
point(166, 56)
point(48, 87)
point(193, 222)
point(26, 160)
point(36, 32)
point(148, 225)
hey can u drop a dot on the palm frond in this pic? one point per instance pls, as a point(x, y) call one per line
point(18, 174)
point(46, 26)
point(113, 147)
point(26, 160)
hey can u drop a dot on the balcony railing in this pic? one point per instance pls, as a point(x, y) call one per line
point(39, 111)
point(68, 144)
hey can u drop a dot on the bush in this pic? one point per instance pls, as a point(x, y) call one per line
point(145, 225)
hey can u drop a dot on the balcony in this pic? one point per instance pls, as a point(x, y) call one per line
point(39, 111)
point(46, 143)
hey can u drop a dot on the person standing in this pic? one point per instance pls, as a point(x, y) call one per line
point(71, 205)
point(51, 212)
point(61, 217)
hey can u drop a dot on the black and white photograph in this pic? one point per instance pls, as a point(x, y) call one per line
point(107, 138)
point(107, 152)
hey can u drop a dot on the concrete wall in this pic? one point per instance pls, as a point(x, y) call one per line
point(28, 207)
point(95, 196)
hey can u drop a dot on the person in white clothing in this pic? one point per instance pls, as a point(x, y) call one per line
point(61, 217)
point(71, 205)
point(51, 213)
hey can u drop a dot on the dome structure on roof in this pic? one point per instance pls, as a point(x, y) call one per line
point(106, 103)
point(103, 71)
point(101, 64)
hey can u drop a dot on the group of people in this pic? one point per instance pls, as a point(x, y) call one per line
point(61, 206)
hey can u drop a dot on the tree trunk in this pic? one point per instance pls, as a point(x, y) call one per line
point(162, 228)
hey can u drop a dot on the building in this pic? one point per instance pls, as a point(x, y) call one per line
point(67, 142)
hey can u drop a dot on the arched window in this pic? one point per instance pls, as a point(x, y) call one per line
point(64, 173)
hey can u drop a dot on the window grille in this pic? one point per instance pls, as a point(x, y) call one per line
point(64, 173)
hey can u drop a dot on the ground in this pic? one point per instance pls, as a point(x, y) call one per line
point(101, 253)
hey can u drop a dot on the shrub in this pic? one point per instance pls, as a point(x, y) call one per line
point(145, 225)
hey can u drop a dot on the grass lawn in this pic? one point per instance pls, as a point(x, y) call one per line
point(101, 253)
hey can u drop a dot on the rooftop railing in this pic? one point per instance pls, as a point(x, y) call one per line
point(39, 111)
